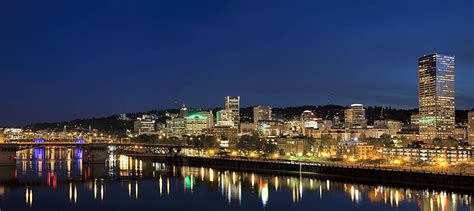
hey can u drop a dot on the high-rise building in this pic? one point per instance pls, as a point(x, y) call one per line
point(470, 127)
point(436, 96)
point(355, 116)
point(261, 113)
point(232, 104)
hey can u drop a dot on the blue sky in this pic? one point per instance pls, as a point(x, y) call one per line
point(62, 60)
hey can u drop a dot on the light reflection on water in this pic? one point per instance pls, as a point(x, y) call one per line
point(57, 179)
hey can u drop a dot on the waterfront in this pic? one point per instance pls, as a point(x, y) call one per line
point(56, 179)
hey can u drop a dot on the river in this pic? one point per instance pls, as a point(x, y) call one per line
point(56, 179)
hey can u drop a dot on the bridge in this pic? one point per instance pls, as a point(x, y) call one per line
point(92, 152)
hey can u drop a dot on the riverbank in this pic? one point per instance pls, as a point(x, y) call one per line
point(342, 173)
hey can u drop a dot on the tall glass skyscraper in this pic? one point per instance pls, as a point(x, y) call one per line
point(436, 96)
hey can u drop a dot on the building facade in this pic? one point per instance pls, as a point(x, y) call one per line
point(261, 113)
point(232, 104)
point(470, 127)
point(355, 116)
point(197, 123)
point(144, 125)
point(436, 95)
point(175, 127)
point(224, 118)
point(431, 155)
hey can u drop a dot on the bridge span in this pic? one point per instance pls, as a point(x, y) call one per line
point(92, 152)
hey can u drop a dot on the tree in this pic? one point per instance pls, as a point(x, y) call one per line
point(209, 141)
point(386, 140)
point(309, 144)
point(249, 143)
point(437, 141)
point(405, 141)
point(269, 147)
point(450, 142)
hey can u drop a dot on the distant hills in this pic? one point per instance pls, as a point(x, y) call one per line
point(113, 125)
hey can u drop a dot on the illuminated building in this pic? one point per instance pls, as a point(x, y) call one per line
point(223, 133)
point(470, 127)
point(183, 111)
point(196, 122)
point(430, 154)
point(13, 133)
point(415, 119)
point(247, 128)
point(460, 133)
point(393, 126)
point(355, 116)
point(292, 128)
point(291, 145)
point(270, 127)
point(232, 104)
point(175, 127)
point(224, 118)
point(307, 115)
point(144, 125)
point(261, 113)
point(436, 96)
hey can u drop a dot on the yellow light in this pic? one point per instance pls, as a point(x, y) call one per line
point(397, 162)
point(234, 153)
point(276, 155)
point(344, 156)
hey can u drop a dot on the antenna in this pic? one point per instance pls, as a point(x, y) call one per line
point(381, 113)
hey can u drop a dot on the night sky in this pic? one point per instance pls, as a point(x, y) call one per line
point(61, 60)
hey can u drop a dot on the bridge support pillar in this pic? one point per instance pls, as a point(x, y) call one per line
point(95, 154)
point(8, 155)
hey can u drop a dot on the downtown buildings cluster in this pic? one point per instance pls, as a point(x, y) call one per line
point(434, 122)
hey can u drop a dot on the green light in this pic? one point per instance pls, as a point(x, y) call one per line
point(427, 120)
point(195, 116)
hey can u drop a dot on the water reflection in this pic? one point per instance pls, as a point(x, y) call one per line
point(61, 171)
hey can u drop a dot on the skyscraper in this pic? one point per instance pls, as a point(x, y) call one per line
point(436, 96)
point(470, 127)
point(232, 104)
point(354, 117)
point(261, 113)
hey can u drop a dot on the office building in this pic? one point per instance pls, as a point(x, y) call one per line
point(197, 122)
point(232, 104)
point(261, 113)
point(355, 116)
point(224, 118)
point(144, 125)
point(175, 127)
point(436, 97)
point(470, 127)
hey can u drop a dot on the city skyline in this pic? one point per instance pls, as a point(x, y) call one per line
point(98, 62)
point(237, 105)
